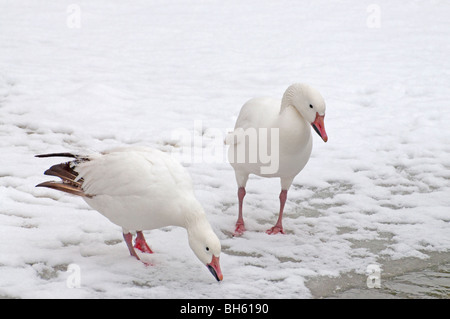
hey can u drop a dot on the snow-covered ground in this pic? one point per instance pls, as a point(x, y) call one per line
point(90, 75)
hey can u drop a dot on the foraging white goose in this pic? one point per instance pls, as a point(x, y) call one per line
point(282, 129)
point(139, 189)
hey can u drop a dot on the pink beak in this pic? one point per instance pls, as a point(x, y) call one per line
point(319, 127)
point(214, 268)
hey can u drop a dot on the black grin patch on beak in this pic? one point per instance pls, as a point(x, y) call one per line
point(213, 271)
point(316, 129)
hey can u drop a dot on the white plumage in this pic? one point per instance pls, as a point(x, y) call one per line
point(140, 189)
point(288, 140)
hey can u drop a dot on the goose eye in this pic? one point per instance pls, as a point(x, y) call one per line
point(311, 106)
point(207, 248)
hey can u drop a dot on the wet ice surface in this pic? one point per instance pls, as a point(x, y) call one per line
point(375, 194)
point(405, 278)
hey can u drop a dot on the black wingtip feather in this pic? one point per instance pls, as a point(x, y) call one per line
point(57, 155)
point(64, 187)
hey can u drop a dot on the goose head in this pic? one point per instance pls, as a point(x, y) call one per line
point(309, 103)
point(206, 246)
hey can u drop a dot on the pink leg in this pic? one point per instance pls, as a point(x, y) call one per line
point(128, 239)
point(141, 244)
point(278, 228)
point(240, 228)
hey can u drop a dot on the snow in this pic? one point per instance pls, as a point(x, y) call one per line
point(87, 76)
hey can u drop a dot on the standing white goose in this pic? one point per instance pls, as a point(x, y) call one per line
point(139, 189)
point(288, 121)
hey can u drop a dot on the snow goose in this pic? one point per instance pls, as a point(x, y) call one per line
point(281, 129)
point(139, 189)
